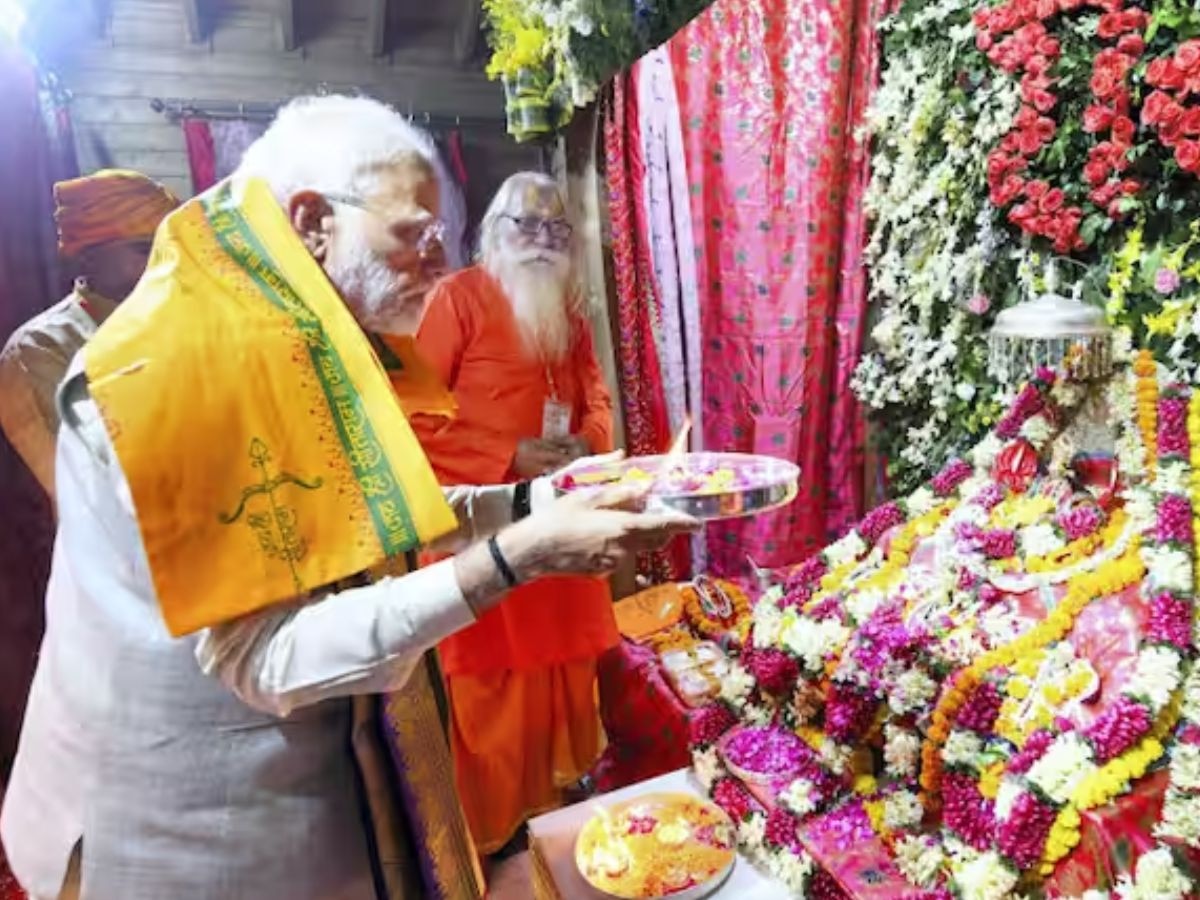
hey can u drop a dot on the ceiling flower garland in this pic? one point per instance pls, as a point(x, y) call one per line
point(1087, 113)
point(998, 729)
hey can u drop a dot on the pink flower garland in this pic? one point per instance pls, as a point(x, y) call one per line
point(1118, 728)
point(1171, 621)
point(952, 475)
point(848, 713)
point(775, 671)
point(783, 831)
point(1080, 521)
point(966, 811)
point(1035, 748)
point(708, 723)
point(879, 520)
point(1174, 521)
point(1172, 424)
point(732, 797)
point(1023, 834)
point(979, 712)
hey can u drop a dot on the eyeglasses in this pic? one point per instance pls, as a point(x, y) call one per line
point(532, 227)
point(428, 236)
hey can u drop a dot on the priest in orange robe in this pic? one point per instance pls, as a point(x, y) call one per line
point(511, 340)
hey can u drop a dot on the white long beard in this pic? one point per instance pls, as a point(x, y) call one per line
point(370, 287)
point(538, 293)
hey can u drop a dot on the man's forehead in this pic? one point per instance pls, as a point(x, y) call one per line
point(538, 199)
point(408, 185)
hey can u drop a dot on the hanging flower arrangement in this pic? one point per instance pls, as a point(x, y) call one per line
point(554, 55)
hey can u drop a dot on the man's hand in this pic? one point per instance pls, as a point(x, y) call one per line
point(573, 448)
point(590, 533)
point(536, 456)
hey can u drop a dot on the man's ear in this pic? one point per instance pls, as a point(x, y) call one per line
point(312, 218)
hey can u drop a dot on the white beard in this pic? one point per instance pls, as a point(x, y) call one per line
point(370, 287)
point(538, 294)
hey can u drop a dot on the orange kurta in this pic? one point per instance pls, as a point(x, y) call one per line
point(470, 338)
point(519, 681)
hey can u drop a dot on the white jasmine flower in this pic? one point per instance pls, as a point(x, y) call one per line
point(799, 798)
point(793, 871)
point(965, 391)
point(962, 748)
point(1155, 878)
point(707, 766)
point(1006, 796)
point(1037, 430)
point(1185, 767)
point(849, 548)
point(1191, 695)
point(1156, 676)
point(912, 691)
point(1169, 569)
point(811, 640)
point(919, 859)
point(736, 685)
point(902, 810)
point(768, 623)
point(987, 877)
point(986, 451)
point(834, 757)
point(1040, 540)
point(1064, 765)
point(1180, 818)
point(862, 603)
point(752, 832)
point(1140, 505)
point(901, 750)
point(921, 501)
point(1173, 478)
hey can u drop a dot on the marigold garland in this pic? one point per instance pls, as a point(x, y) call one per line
point(1146, 371)
point(1082, 548)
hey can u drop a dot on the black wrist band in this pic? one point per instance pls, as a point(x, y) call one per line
point(502, 565)
point(521, 502)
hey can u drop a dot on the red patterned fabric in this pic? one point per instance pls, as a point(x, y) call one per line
point(764, 88)
point(202, 154)
point(646, 724)
point(642, 400)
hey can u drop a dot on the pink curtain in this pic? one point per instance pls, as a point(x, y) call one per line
point(27, 261)
point(765, 96)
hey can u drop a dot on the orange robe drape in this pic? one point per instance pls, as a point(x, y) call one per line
point(520, 680)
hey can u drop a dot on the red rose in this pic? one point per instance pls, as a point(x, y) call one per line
point(981, 18)
point(1102, 196)
point(1016, 466)
point(1116, 211)
point(1046, 8)
point(1049, 47)
point(1029, 142)
point(1130, 187)
point(1187, 154)
point(1037, 65)
point(1111, 26)
point(1026, 117)
point(1135, 19)
point(1187, 57)
point(1132, 45)
point(1045, 129)
point(1053, 201)
point(1112, 60)
point(1123, 129)
point(1154, 108)
point(1169, 133)
point(1070, 5)
point(1104, 83)
point(1036, 190)
point(1163, 73)
point(1096, 172)
point(1120, 100)
point(984, 42)
point(1190, 123)
point(1097, 118)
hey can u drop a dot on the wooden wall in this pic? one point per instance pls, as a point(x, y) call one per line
point(136, 50)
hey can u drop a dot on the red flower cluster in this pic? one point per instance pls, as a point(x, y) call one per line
point(1110, 110)
point(1176, 79)
point(1015, 38)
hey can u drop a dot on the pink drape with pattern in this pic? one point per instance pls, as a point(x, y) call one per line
point(764, 88)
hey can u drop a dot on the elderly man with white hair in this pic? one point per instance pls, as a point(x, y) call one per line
point(511, 340)
point(240, 500)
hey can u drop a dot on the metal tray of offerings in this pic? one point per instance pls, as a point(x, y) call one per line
point(657, 846)
point(706, 486)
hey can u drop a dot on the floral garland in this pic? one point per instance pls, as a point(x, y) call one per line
point(1011, 785)
point(1174, 79)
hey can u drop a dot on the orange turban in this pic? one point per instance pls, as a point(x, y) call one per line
point(111, 205)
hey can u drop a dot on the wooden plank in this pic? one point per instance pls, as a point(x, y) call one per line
point(466, 39)
point(196, 21)
point(287, 24)
point(377, 27)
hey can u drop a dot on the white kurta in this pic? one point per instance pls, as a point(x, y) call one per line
point(32, 365)
point(183, 786)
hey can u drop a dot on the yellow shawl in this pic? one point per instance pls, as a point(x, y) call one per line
point(265, 449)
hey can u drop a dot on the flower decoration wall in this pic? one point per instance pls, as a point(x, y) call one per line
point(1006, 133)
